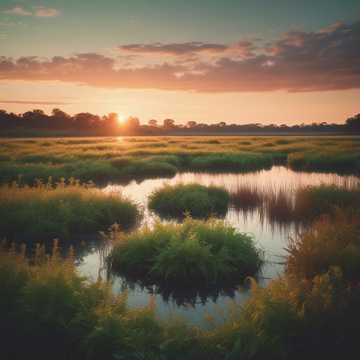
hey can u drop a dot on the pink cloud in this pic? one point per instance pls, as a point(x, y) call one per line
point(38, 11)
point(298, 61)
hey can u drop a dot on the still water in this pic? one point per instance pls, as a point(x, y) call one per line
point(270, 237)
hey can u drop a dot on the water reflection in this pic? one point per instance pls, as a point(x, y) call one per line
point(271, 236)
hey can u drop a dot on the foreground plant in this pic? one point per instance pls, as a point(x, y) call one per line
point(197, 200)
point(331, 241)
point(58, 210)
point(192, 252)
point(46, 305)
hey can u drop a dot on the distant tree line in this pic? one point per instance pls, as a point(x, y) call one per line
point(86, 123)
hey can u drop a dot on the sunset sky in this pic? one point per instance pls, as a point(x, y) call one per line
point(241, 61)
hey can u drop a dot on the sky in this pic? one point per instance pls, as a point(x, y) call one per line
point(239, 61)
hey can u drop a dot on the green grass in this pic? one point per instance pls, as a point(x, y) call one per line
point(230, 162)
point(105, 159)
point(322, 162)
point(48, 311)
point(61, 210)
point(192, 252)
point(197, 200)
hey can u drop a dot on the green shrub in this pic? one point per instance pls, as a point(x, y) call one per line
point(192, 252)
point(197, 200)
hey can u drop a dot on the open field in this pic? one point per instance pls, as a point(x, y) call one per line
point(104, 159)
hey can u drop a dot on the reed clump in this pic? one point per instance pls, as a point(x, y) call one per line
point(196, 200)
point(62, 209)
point(333, 240)
point(192, 252)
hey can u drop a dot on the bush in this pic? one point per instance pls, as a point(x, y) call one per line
point(192, 252)
point(60, 210)
point(197, 200)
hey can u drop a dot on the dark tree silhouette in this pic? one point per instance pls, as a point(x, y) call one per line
point(87, 123)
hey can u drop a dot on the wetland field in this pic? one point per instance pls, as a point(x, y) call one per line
point(236, 247)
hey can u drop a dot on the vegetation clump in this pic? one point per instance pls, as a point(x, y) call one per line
point(231, 162)
point(197, 200)
point(192, 252)
point(331, 241)
point(338, 162)
point(62, 209)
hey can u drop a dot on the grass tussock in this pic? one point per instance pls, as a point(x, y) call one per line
point(192, 252)
point(196, 200)
point(62, 209)
point(331, 241)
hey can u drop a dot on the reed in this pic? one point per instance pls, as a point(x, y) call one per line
point(192, 252)
point(196, 200)
point(62, 210)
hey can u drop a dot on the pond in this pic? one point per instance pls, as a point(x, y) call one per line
point(270, 236)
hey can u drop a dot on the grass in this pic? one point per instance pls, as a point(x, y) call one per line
point(195, 251)
point(196, 200)
point(304, 204)
point(322, 162)
point(105, 159)
point(231, 162)
point(311, 202)
point(61, 210)
point(46, 305)
point(331, 241)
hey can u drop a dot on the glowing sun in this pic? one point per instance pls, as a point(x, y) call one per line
point(121, 119)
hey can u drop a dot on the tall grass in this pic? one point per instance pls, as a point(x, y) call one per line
point(197, 200)
point(61, 210)
point(296, 205)
point(231, 162)
point(343, 163)
point(331, 241)
point(192, 252)
point(101, 159)
point(48, 311)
